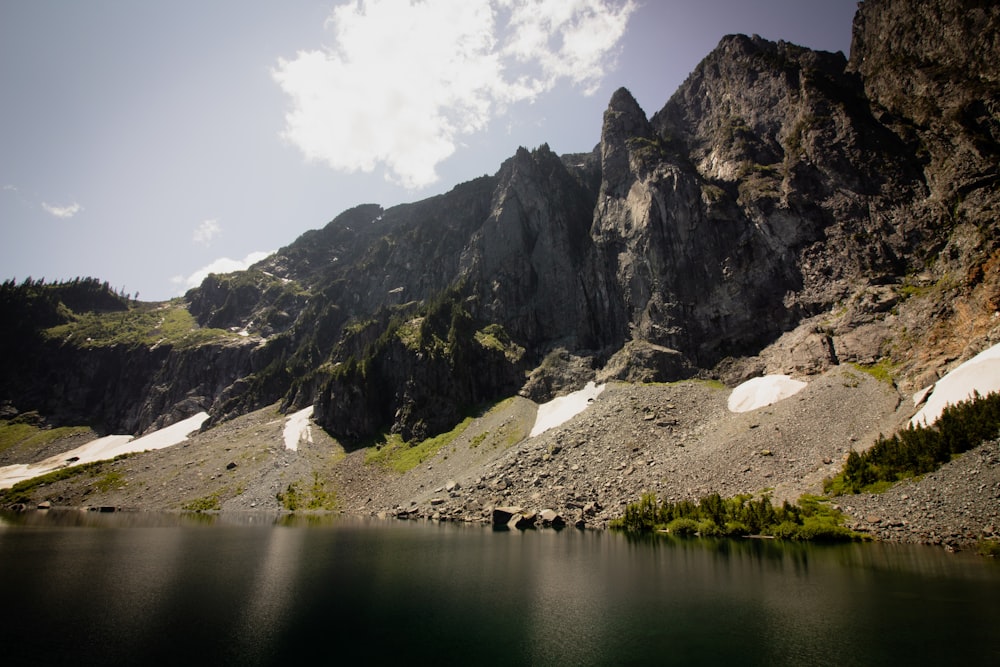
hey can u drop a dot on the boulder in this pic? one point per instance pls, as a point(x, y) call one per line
point(522, 520)
point(503, 515)
point(551, 518)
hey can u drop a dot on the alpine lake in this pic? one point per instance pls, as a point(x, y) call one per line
point(83, 588)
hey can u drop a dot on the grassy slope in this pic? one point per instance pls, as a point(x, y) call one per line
point(141, 324)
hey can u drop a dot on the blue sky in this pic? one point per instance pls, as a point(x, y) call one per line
point(147, 143)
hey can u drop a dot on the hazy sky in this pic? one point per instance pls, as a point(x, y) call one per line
point(147, 143)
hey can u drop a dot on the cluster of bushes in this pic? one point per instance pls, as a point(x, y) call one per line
point(315, 497)
point(714, 516)
point(918, 450)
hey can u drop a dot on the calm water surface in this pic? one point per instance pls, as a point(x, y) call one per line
point(81, 588)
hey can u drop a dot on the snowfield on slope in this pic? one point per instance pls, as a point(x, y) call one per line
point(563, 408)
point(102, 449)
point(298, 429)
point(979, 374)
point(760, 392)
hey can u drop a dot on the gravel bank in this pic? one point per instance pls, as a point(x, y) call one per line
point(954, 506)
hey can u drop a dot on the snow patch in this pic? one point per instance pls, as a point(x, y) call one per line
point(103, 449)
point(563, 408)
point(763, 391)
point(981, 373)
point(298, 429)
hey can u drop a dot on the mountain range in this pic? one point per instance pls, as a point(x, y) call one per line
point(786, 211)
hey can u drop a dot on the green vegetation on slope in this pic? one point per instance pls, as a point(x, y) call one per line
point(881, 371)
point(89, 313)
point(22, 433)
point(448, 360)
point(400, 456)
point(140, 324)
point(918, 450)
point(22, 492)
point(204, 504)
point(313, 497)
point(714, 516)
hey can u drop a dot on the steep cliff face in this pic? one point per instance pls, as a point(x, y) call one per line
point(933, 70)
point(691, 271)
point(125, 388)
point(786, 210)
point(525, 264)
point(423, 374)
point(759, 195)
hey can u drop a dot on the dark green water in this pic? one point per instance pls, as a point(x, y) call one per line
point(141, 589)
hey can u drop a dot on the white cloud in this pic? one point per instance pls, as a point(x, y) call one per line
point(570, 39)
point(221, 265)
point(405, 80)
point(206, 232)
point(62, 211)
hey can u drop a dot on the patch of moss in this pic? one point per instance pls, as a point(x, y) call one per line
point(355, 327)
point(409, 333)
point(204, 504)
point(22, 492)
point(395, 454)
point(110, 480)
point(988, 547)
point(314, 497)
point(21, 434)
point(494, 337)
point(712, 193)
point(882, 370)
point(647, 149)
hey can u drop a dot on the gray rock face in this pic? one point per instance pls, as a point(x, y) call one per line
point(524, 263)
point(933, 68)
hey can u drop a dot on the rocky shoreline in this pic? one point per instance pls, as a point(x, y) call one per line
point(955, 506)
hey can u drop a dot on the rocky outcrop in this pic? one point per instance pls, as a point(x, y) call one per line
point(932, 69)
point(525, 264)
point(247, 300)
point(131, 389)
point(420, 377)
point(793, 185)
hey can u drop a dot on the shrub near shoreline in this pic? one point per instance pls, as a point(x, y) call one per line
point(739, 516)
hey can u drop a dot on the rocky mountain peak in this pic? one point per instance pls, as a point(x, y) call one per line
point(624, 117)
point(625, 126)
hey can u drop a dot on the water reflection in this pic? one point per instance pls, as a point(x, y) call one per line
point(268, 589)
